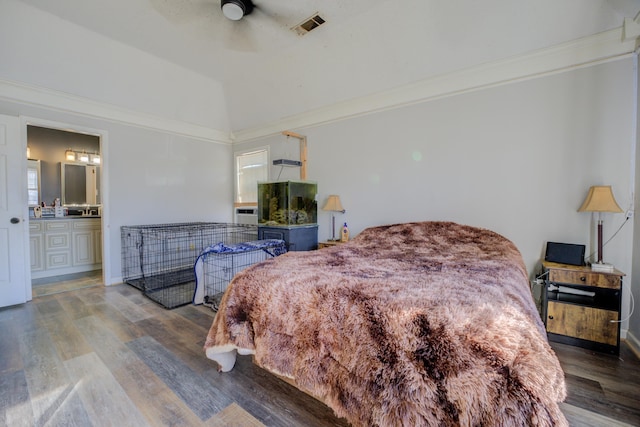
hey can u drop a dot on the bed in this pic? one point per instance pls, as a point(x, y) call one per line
point(427, 323)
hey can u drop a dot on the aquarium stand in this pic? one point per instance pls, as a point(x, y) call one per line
point(297, 237)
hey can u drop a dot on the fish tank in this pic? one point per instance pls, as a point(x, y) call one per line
point(287, 203)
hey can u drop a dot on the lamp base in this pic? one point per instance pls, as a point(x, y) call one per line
point(602, 267)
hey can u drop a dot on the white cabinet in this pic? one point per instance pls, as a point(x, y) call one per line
point(57, 244)
point(84, 242)
point(64, 246)
point(36, 246)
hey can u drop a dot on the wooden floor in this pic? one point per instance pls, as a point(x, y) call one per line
point(66, 283)
point(110, 356)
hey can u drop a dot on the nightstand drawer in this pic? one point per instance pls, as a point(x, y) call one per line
point(584, 278)
point(583, 322)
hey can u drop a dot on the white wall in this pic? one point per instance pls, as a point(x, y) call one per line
point(634, 322)
point(149, 177)
point(43, 50)
point(160, 121)
point(518, 159)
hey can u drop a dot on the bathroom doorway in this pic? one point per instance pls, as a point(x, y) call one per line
point(65, 208)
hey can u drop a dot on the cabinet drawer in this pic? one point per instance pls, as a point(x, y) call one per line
point(55, 241)
point(57, 225)
point(86, 224)
point(610, 281)
point(58, 259)
point(35, 226)
point(587, 323)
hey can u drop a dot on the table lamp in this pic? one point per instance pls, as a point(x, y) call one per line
point(333, 204)
point(600, 199)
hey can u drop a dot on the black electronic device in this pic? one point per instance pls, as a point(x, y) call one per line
point(565, 253)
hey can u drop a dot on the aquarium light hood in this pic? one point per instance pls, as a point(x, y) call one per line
point(287, 162)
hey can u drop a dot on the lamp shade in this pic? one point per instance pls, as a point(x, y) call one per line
point(333, 204)
point(600, 199)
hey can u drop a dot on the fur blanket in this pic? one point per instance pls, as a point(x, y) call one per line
point(414, 324)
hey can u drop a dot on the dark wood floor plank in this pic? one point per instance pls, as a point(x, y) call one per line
point(187, 384)
point(579, 417)
point(601, 384)
point(126, 307)
point(180, 336)
point(15, 406)
point(200, 315)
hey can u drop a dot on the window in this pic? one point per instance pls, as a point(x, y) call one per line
point(251, 167)
point(33, 182)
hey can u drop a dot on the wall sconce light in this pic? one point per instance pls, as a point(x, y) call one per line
point(333, 204)
point(84, 157)
point(28, 152)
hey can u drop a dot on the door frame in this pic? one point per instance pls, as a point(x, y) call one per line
point(103, 137)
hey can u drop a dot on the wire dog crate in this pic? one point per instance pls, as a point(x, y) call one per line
point(158, 259)
point(218, 264)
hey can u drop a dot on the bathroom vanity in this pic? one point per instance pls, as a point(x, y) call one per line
point(65, 245)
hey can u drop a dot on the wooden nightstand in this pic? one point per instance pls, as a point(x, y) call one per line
point(588, 320)
point(328, 243)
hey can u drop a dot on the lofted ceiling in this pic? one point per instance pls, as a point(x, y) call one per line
point(195, 34)
point(269, 72)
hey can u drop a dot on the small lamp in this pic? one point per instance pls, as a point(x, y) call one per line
point(600, 199)
point(333, 204)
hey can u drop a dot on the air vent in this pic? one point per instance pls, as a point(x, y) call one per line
point(286, 162)
point(309, 24)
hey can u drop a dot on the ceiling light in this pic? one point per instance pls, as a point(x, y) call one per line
point(236, 9)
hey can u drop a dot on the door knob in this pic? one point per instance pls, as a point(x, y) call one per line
point(14, 220)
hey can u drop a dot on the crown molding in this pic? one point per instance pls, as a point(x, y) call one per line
point(63, 102)
point(587, 51)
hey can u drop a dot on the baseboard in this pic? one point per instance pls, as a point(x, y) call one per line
point(634, 343)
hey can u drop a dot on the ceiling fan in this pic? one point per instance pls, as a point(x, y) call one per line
point(238, 25)
point(236, 9)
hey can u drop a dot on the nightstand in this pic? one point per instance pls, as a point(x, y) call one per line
point(328, 243)
point(581, 307)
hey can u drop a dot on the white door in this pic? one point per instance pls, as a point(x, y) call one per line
point(13, 226)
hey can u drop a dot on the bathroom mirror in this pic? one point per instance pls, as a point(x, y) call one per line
point(80, 184)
